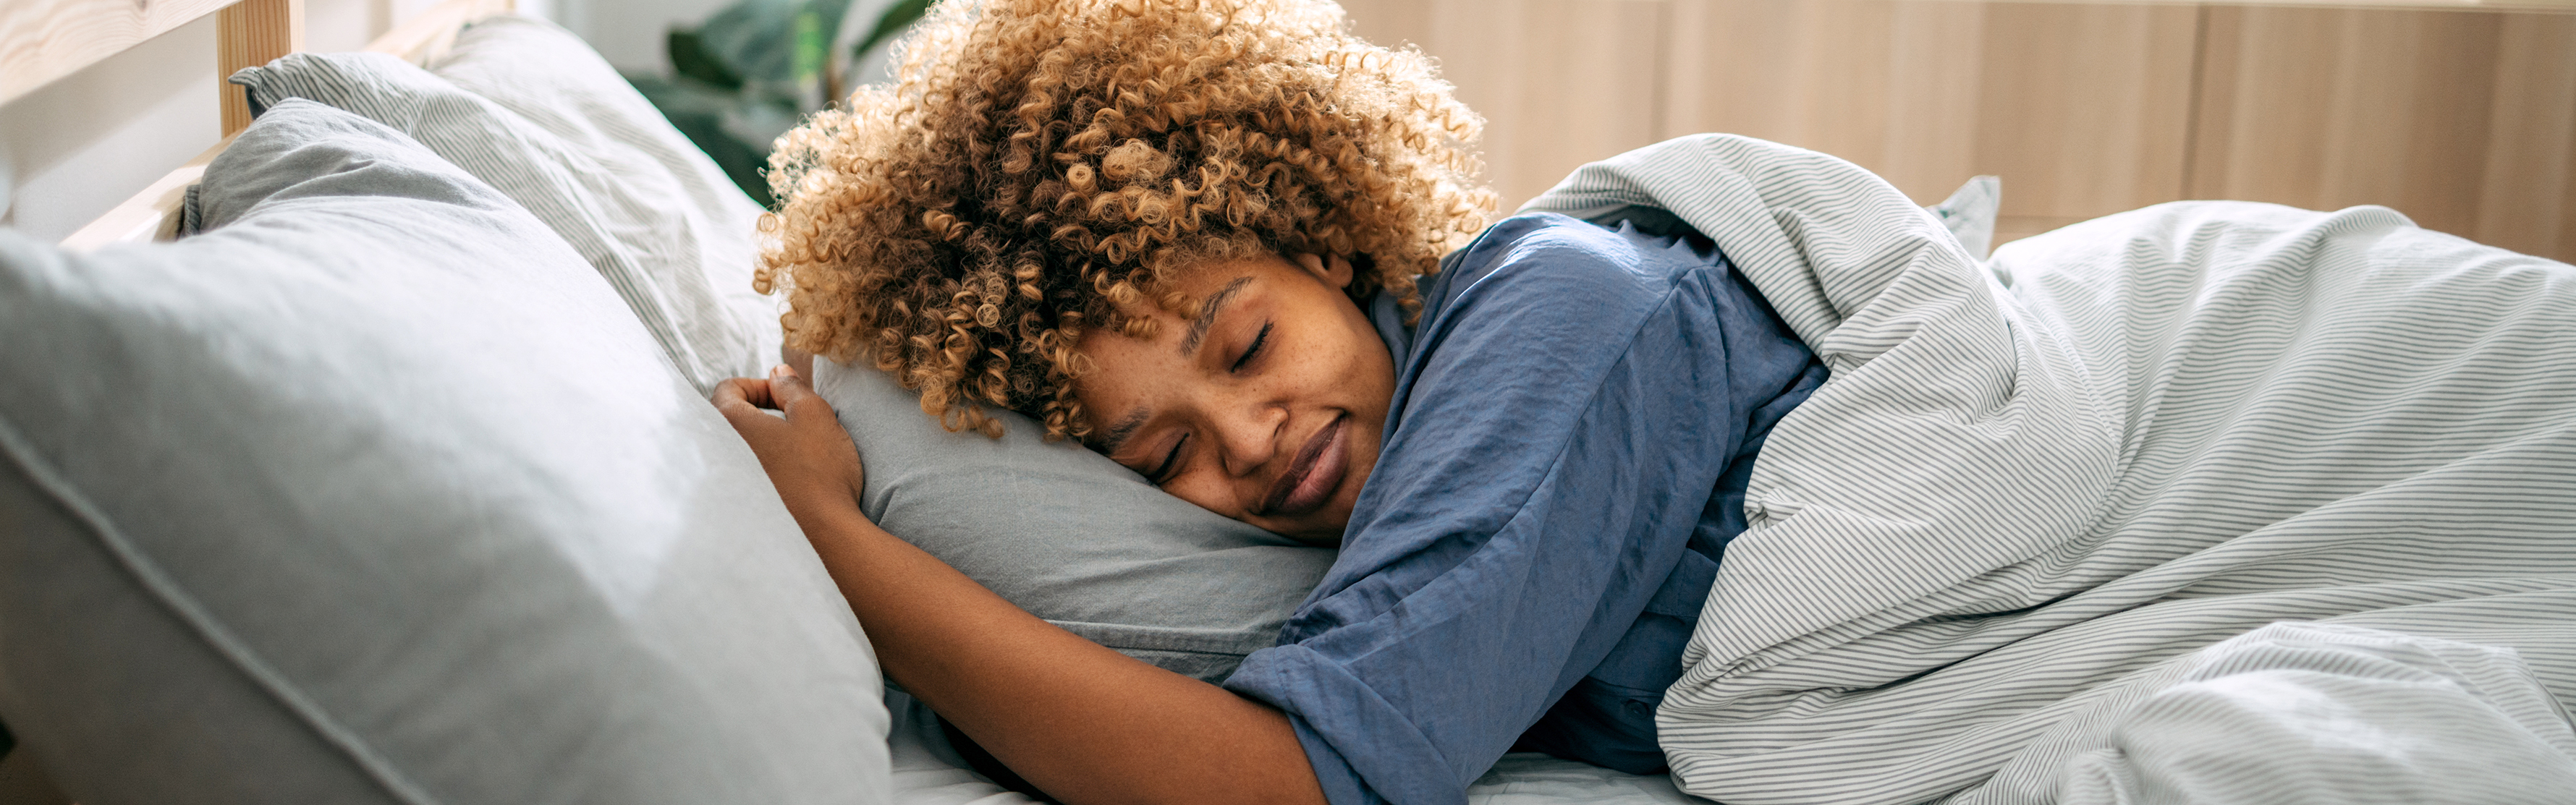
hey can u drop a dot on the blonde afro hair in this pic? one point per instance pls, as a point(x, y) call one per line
point(1038, 164)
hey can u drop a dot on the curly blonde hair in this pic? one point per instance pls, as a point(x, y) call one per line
point(1037, 164)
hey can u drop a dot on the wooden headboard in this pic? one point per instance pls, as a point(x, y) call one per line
point(44, 40)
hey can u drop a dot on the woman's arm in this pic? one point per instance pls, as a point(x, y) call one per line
point(1082, 722)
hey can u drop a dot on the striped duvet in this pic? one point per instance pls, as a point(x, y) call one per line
point(2029, 544)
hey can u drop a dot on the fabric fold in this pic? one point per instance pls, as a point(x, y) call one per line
point(2173, 427)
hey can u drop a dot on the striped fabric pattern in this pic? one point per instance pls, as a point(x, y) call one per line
point(2037, 486)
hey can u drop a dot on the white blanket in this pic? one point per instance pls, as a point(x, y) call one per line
point(1995, 557)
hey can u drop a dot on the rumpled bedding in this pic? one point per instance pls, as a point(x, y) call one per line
point(2244, 502)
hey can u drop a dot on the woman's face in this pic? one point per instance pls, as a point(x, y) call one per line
point(1265, 408)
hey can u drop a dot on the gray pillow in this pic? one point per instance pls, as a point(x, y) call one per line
point(1069, 535)
point(375, 492)
point(528, 108)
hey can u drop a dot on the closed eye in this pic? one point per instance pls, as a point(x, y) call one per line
point(1163, 472)
point(1258, 340)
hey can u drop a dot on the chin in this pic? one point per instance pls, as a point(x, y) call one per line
point(1330, 533)
point(1319, 539)
point(1322, 528)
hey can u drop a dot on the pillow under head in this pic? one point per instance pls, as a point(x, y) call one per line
point(1071, 536)
point(375, 492)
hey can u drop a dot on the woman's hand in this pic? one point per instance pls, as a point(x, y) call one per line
point(806, 454)
point(1087, 724)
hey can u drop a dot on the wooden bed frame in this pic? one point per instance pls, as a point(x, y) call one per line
point(71, 34)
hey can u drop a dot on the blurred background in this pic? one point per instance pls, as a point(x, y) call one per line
point(2461, 115)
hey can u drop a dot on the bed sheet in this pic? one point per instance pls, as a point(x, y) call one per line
point(928, 772)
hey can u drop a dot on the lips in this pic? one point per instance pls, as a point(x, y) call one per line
point(1311, 478)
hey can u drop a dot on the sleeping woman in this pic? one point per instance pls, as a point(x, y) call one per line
point(1242, 253)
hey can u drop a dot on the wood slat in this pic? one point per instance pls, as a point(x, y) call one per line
point(1828, 75)
point(2465, 120)
point(2085, 109)
point(148, 215)
point(2460, 121)
point(43, 40)
point(152, 213)
point(2425, 5)
point(2081, 108)
point(1560, 82)
point(252, 33)
point(2528, 199)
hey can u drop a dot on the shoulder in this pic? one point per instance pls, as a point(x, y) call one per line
point(1538, 252)
point(1550, 276)
point(1526, 321)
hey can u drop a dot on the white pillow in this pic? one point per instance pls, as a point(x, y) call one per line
point(1970, 211)
point(375, 492)
point(529, 109)
point(553, 79)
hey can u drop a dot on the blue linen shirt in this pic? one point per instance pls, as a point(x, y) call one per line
point(1565, 457)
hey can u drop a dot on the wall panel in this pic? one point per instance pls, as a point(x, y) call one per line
point(2082, 109)
point(2325, 108)
point(1890, 85)
point(2528, 199)
point(1560, 82)
point(45, 40)
point(2463, 119)
point(2085, 109)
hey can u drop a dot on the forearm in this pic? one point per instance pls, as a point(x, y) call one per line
point(1080, 721)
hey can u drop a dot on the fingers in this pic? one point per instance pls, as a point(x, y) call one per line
point(810, 460)
point(789, 392)
point(748, 391)
point(740, 400)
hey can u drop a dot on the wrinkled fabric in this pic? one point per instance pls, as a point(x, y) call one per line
point(1574, 419)
point(2317, 714)
point(2110, 446)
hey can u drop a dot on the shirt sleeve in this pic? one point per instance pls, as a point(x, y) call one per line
point(1559, 425)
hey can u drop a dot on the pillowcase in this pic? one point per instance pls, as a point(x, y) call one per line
point(531, 110)
point(1970, 212)
point(552, 78)
point(375, 492)
point(1071, 536)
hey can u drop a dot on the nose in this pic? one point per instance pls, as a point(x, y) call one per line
point(1247, 433)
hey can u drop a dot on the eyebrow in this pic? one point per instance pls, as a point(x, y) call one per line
point(1124, 429)
point(1207, 315)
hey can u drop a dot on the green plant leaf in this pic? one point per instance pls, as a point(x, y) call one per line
point(902, 15)
point(689, 57)
point(699, 112)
